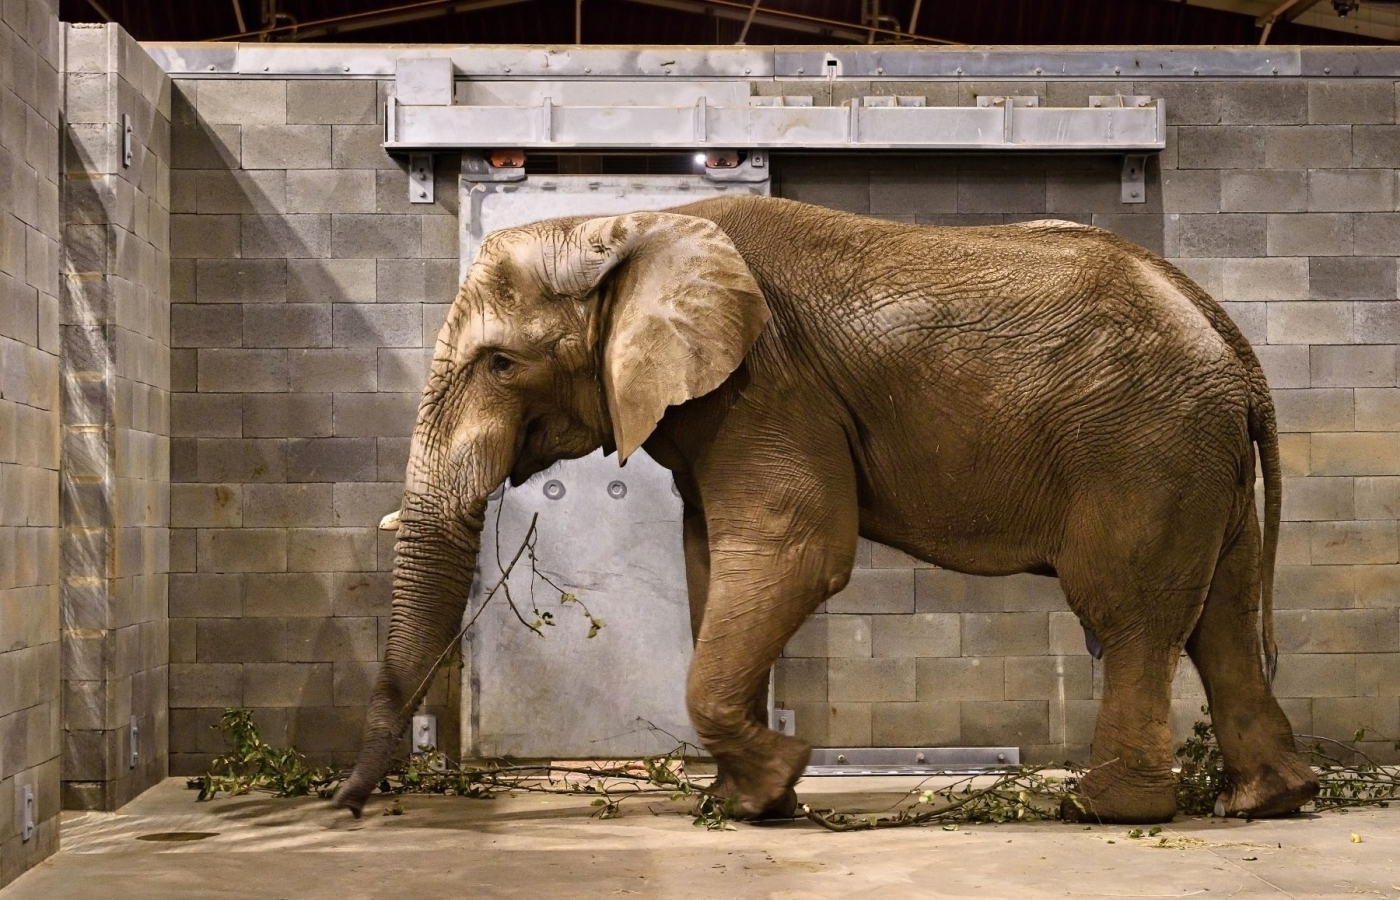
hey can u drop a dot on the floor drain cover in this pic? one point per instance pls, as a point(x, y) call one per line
point(176, 836)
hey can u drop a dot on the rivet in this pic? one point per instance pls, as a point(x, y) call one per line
point(617, 490)
point(1038, 70)
point(587, 70)
point(920, 758)
point(347, 68)
point(879, 70)
point(800, 70)
point(958, 71)
point(1275, 70)
point(1195, 70)
point(1327, 70)
point(506, 70)
point(211, 67)
point(1117, 69)
point(554, 489)
point(1001, 757)
point(841, 759)
point(747, 70)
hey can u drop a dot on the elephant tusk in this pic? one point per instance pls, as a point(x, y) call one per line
point(390, 522)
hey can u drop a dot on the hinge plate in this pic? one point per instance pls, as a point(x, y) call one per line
point(1134, 178)
point(420, 178)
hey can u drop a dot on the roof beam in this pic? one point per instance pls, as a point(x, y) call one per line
point(788, 21)
point(374, 18)
point(1377, 20)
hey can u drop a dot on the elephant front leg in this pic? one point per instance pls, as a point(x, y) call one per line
point(779, 547)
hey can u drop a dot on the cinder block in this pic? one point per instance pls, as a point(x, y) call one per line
point(1376, 234)
point(1352, 543)
point(1007, 723)
point(941, 590)
point(1285, 365)
point(1375, 146)
point(1355, 366)
point(330, 281)
point(242, 550)
point(1295, 543)
point(1351, 190)
point(1000, 191)
point(1264, 190)
point(799, 680)
point(1312, 234)
point(1351, 101)
point(206, 505)
point(234, 461)
point(1048, 678)
point(921, 635)
point(1272, 279)
point(378, 325)
point(372, 415)
point(1316, 675)
point(1377, 675)
point(206, 325)
point(885, 557)
point(847, 637)
point(830, 189)
point(241, 640)
point(204, 146)
point(392, 458)
point(204, 237)
point(331, 459)
point(406, 370)
point(1310, 323)
point(286, 237)
point(1377, 409)
point(1222, 234)
point(287, 415)
point(289, 595)
point(1280, 101)
point(1317, 499)
point(1378, 497)
point(915, 724)
point(301, 325)
point(1356, 453)
point(236, 191)
point(1191, 191)
point(241, 280)
point(1066, 634)
point(242, 371)
point(870, 680)
point(376, 236)
point(330, 191)
point(1377, 322)
point(1220, 147)
point(1336, 631)
point(1352, 277)
point(1005, 634)
point(331, 549)
point(331, 640)
point(287, 684)
point(205, 685)
point(353, 682)
point(243, 102)
point(1187, 102)
point(1208, 274)
point(206, 597)
point(332, 102)
point(339, 371)
point(876, 591)
point(286, 147)
point(1307, 146)
point(287, 505)
point(441, 238)
point(359, 147)
point(364, 504)
point(916, 193)
point(417, 280)
point(362, 593)
point(1339, 718)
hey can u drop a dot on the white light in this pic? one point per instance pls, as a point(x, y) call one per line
point(699, 159)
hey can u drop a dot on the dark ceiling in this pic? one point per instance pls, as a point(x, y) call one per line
point(693, 21)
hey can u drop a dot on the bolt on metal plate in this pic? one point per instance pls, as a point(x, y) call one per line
point(554, 489)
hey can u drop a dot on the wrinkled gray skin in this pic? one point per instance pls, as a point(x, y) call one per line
point(1037, 398)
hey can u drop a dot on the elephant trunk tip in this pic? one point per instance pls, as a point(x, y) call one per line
point(350, 798)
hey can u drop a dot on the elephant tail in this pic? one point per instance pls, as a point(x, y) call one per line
point(1263, 430)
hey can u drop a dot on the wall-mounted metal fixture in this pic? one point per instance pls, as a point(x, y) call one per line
point(127, 141)
point(420, 178)
point(27, 813)
point(133, 743)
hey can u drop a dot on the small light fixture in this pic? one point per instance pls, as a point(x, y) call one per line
point(699, 159)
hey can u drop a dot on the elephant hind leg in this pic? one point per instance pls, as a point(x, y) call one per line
point(1140, 588)
point(1266, 777)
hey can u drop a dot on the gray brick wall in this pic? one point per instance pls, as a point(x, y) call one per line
point(116, 419)
point(1281, 199)
point(30, 691)
point(306, 293)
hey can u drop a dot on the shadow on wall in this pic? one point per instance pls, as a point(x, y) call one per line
point(966, 189)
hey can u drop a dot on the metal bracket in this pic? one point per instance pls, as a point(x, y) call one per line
point(785, 722)
point(1134, 178)
point(127, 135)
point(752, 168)
point(480, 169)
point(134, 734)
point(27, 814)
point(420, 178)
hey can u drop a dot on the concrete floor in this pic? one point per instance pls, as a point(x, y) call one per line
point(548, 847)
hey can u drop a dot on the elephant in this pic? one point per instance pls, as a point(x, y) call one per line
point(1042, 397)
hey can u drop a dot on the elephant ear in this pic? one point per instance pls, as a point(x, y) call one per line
point(679, 310)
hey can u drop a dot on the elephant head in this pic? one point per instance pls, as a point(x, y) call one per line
point(565, 336)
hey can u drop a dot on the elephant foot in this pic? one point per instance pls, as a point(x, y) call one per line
point(1275, 790)
point(763, 788)
point(1114, 794)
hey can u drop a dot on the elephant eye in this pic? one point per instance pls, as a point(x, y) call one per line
point(500, 364)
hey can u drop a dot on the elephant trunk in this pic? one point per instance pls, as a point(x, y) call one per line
point(435, 560)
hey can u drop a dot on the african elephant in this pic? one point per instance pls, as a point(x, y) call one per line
point(1041, 397)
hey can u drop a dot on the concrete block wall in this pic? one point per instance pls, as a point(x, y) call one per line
point(307, 293)
point(1280, 197)
point(116, 418)
point(29, 432)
